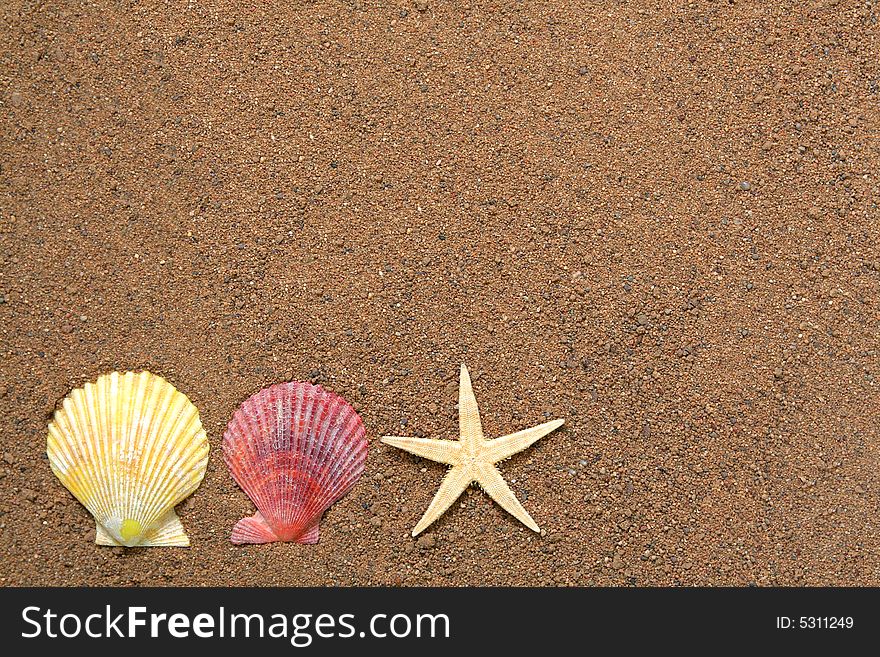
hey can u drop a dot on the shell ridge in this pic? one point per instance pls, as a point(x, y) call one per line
point(162, 484)
point(240, 452)
point(324, 440)
point(357, 453)
point(349, 455)
point(62, 451)
point(334, 441)
point(344, 456)
point(154, 459)
point(178, 483)
point(62, 463)
point(72, 421)
point(165, 446)
point(150, 436)
point(91, 494)
point(119, 388)
point(258, 466)
point(329, 435)
point(304, 449)
point(290, 498)
point(284, 441)
point(308, 452)
point(155, 405)
point(120, 435)
point(97, 462)
point(137, 409)
point(348, 465)
point(141, 447)
point(335, 447)
point(298, 404)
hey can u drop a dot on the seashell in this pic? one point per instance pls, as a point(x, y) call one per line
point(295, 449)
point(129, 447)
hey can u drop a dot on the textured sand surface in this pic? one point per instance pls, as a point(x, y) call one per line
point(657, 220)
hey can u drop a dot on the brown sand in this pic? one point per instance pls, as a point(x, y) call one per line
point(658, 222)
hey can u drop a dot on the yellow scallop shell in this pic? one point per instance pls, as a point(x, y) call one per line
point(129, 447)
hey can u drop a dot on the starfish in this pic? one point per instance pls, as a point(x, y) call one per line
point(472, 458)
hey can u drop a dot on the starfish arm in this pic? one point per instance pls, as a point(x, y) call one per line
point(506, 446)
point(442, 451)
point(493, 483)
point(470, 426)
point(454, 484)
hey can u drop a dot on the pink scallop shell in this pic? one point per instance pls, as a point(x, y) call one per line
point(295, 449)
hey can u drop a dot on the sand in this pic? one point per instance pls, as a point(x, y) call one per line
point(656, 220)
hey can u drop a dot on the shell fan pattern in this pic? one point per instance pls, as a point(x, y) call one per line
point(295, 449)
point(129, 447)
